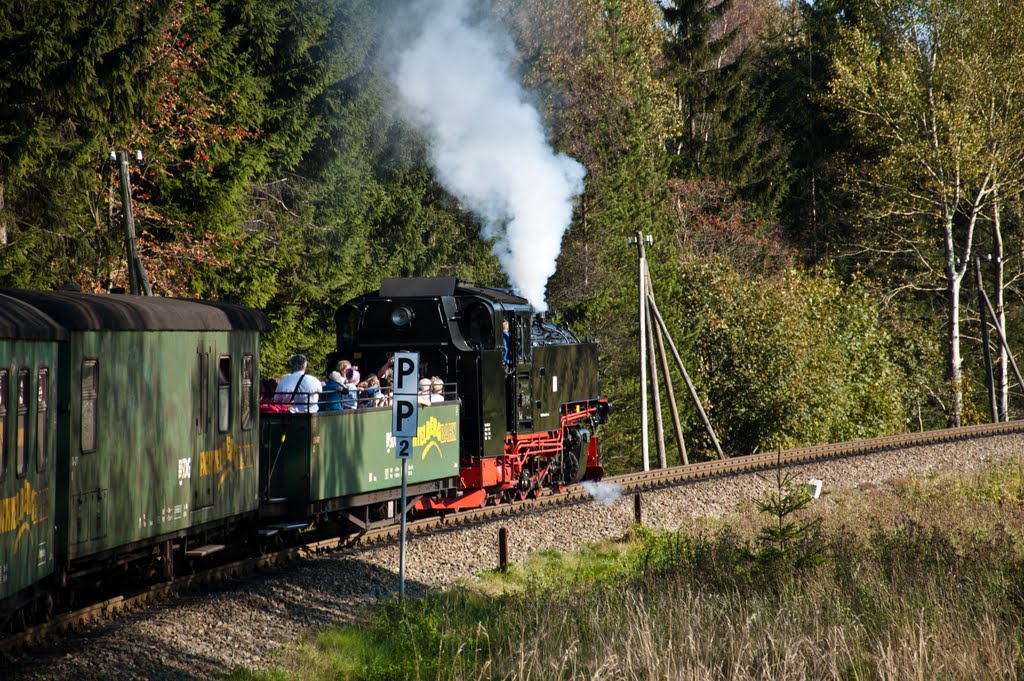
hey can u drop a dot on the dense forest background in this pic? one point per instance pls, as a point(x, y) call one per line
point(818, 178)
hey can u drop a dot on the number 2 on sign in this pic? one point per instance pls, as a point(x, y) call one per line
point(404, 448)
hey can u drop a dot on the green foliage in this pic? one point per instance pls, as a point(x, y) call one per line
point(277, 177)
point(790, 359)
point(72, 77)
point(924, 86)
point(1000, 484)
point(786, 546)
point(796, 67)
point(724, 128)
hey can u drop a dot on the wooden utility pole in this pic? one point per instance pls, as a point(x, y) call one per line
point(689, 384)
point(1002, 338)
point(638, 241)
point(989, 383)
point(137, 280)
point(654, 330)
point(659, 428)
point(669, 388)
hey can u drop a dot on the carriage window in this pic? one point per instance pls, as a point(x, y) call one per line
point(3, 424)
point(90, 391)
point(21, 437)
point(42, 412)
point(248, 395)
point(224, 394)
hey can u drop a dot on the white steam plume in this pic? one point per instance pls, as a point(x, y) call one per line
point(606, 493)
point(487, 143)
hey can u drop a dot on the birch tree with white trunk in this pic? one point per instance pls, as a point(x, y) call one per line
point(917, 84)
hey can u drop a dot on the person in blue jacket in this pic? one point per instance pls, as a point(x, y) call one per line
point(330, 399)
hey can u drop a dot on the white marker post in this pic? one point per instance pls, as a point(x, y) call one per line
point(403, 427)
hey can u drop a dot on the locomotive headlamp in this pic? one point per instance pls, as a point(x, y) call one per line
point(401, 316)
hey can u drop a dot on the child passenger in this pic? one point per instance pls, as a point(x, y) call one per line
point(350, 393)
point(371, 395)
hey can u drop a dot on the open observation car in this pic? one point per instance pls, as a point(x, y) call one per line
point(530, 400)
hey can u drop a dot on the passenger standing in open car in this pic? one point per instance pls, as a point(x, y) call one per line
point(386, 373)
point(350, 391)
point(299, 389)
point(370, 395)
point(436, 390)
point(330, 399)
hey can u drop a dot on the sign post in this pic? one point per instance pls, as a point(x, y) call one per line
point(403, 427)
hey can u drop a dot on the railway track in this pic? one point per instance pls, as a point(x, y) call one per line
point(628, 483)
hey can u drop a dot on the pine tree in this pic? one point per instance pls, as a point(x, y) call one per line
point(724, 131)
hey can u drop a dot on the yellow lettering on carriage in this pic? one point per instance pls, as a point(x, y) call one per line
point(27, 505)
point(432, 434)
point(230, 455)
point(433, 429)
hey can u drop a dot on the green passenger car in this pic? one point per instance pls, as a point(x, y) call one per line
point(344, 461)
point(159, 426)
point(29, 346)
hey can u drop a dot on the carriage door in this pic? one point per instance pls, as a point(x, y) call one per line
point(203, 392)
point(523, 383)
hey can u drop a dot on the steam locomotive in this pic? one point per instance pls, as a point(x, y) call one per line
point(132, 444)
point(529, 390)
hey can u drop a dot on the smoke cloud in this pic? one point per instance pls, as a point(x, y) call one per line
point(606, 493)
point(487, 142)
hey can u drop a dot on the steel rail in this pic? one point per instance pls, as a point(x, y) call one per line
point(629, 482)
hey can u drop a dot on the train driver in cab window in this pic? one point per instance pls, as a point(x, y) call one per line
point(506, 339)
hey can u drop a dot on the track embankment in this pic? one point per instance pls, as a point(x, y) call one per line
point(205, 632)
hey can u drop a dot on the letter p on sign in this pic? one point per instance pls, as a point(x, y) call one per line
point(403, 416)
point(407, 371)
point(404, 411)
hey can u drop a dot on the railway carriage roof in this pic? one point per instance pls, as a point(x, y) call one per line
point(114, 312)
point(21, 321)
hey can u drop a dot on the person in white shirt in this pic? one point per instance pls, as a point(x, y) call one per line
point(299, 389)
point(436, 390)
point(423, 395)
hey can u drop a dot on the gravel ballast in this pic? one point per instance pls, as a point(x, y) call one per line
point(244, 623)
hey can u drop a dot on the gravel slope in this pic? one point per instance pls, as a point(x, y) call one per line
point(201, 636)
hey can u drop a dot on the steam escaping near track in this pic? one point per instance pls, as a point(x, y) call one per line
point(487, 143)
point(606, 493)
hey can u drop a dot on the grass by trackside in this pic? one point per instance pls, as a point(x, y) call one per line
point(920, 579)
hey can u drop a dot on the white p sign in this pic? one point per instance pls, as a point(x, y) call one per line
point(404, 411)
